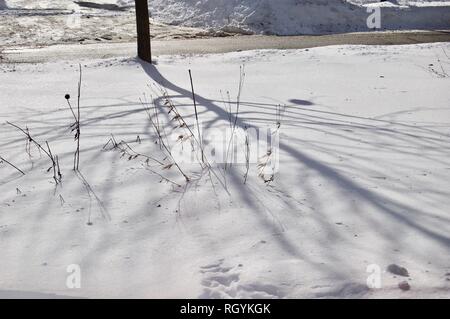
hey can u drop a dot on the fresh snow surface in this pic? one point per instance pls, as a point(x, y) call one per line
point(282, 17)
point(364, 177)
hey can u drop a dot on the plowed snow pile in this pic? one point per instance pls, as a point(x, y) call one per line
point(282, 17)
point(289, 17)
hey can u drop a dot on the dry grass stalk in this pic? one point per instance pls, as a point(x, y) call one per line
point(247, 156)
point(12, 165)
point(236, 115)
point(76, 126)
point(196, 118)
point(162, 143)
point(127, 151)
point(189, 135)
point(57, 176)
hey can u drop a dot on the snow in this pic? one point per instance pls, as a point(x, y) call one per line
point(43, 23)
point(282, 17)
point(363, 178)
point(289, 17)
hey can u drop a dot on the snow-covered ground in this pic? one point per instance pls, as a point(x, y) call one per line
point(363, 179)
point(35, 23)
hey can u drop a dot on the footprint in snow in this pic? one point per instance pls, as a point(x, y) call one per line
point(223, 282)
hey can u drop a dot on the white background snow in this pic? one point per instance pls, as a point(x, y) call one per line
point(364, 178)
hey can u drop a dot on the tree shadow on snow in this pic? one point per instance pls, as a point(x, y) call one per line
point(399, 212)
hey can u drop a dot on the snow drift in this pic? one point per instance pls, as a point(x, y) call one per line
point(290, 17)
point(281, 17)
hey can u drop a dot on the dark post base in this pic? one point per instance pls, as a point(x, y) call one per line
point(143, 30)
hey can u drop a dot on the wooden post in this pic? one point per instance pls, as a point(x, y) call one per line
point(143, 30)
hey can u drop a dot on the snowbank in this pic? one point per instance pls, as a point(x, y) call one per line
point(282, 17)
point(289, 17)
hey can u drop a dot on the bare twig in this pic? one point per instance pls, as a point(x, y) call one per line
point(445, 52)
point(76, 126)
point(163, 177)
point(55, 164)
point(162, 143)
point(281, 110)
point(196, 117)
point(61, 200)
point(78, 120)
point(126, 150)
point(182, 124)
point(247, 156)
point(236, 116)
point(12, 165)
point(91, 193)
point(58, 169)
point(30, 138)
